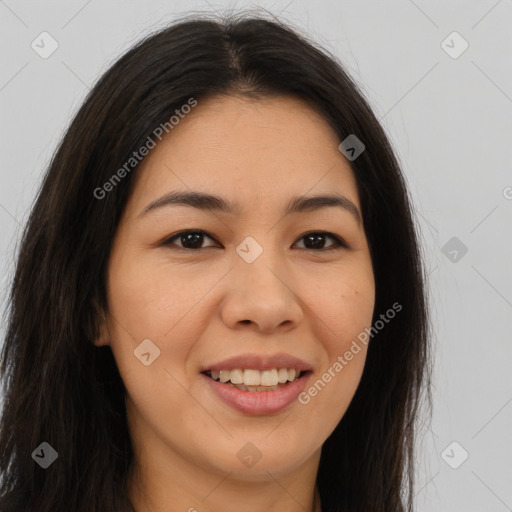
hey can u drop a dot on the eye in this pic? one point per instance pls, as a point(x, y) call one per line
point(316, 239)
point(189, 239)
point(193, 240)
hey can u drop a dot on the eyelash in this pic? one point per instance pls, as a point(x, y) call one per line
point(339, 243)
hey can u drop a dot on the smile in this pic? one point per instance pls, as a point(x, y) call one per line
point(252, 380)
point(257, 399)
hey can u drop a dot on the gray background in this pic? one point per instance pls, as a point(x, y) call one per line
point(450, 121)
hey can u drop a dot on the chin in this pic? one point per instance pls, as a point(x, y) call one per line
point(251, 461)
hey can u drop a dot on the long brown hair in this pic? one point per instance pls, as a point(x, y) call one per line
point(61, 389)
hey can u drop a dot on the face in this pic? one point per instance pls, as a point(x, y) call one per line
point(253, 288)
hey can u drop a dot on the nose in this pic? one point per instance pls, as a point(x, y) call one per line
point(261, 297)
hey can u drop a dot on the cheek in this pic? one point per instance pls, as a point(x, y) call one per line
point(343, 306)
point(343, 303)
point(143, 306)
point(139, 311)
point(152, 300)
point(343, 309)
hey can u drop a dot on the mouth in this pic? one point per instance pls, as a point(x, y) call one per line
point(257, 392)
point(257, 384)
point(257, 381)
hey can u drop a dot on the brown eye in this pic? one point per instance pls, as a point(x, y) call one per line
point(192, 240)
point(315, 241)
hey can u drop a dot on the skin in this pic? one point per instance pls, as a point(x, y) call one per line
point(205, 306)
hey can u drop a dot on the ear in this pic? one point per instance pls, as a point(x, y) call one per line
point(103, 337)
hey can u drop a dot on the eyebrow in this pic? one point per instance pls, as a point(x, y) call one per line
point(209, 202)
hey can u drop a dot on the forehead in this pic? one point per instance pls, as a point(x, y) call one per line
point(250, 151)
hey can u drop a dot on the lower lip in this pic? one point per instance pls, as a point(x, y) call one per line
point(258, 402)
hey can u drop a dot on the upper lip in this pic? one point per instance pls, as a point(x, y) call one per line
point(259, 362)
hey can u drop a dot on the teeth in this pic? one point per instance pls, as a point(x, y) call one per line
point(253, 389)
point(254, 379)
point(269, 377)
point(237, 377)
point(250, 378)
point(282, 375)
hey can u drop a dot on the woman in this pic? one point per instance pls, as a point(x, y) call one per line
point(219, 298)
